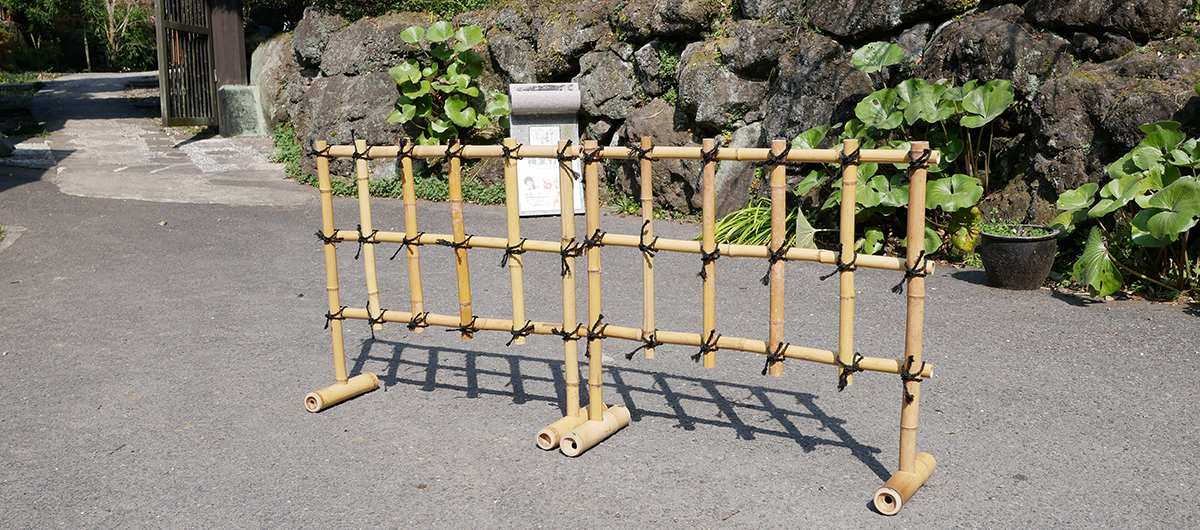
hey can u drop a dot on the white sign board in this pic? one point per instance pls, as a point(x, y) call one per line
point(539, 178)
point(544, 114)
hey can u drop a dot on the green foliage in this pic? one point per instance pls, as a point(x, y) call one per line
point(440, 96)
point(369, 8)
point(668, 61)
point(752, 225)
point(877, 56)
point(1152, 202)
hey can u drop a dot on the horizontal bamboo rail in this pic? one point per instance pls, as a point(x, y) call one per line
point(584, 427)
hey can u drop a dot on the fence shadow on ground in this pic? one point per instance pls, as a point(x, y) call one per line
point(787, 410)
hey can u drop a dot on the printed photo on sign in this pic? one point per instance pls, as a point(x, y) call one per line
point(538, 178)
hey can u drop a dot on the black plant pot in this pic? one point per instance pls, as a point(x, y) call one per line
point(1017, 262)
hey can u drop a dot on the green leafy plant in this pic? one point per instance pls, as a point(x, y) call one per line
point(1004, 227)
point(1142, 220)
point(752, 225)
point(440, 96)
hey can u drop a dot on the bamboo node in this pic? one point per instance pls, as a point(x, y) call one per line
point(708, 257)
point(523, 332)
point(779, 254)
point(709, 345)
point(906, 376)
point(916, 271)
point(512, 250)
point(847, 369)
point(778, 356)
point(648, 342)
point(842, 267)
point(330, 317)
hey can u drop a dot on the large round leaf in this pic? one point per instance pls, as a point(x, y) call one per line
point(1115, 194)
point(877, 55)
point(953, 192)
point(1096, 268)
point(473, 62)
point(1177, 205)
point(1140, 230)
point(986, 103)
point(408, 70)
point(440, 31)
point(1077, 199)
point(499, 105)
point(879, 109)
point(458, 109)
point(811, 138)
point(412, 34)
point(469, 36)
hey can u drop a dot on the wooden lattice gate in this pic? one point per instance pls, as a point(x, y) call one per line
point(187, 88)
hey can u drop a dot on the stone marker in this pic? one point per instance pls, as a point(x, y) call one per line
point(544, 114)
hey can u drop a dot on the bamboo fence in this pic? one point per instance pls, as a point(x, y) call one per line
point(582, 428)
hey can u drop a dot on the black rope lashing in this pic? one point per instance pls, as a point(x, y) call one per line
point(469, 327)
point(708, 156)
point(847, 369)
point(842, 266)
point(597, 240)
point(777, 356)
point(454, 153)
point(331, 239)
point(376, 320)
point(330, 317)
point(778, 159)
point(642, 154)
point(906, 377)
point(508, 152)
point(648, 342)
point(589, 157)
point(564, 159)
point(647, 250)
point(456, 245)
point(916, 271)
point(779, 254)
point(846, 159)
point(512, 250)
point(709, 345)
point(418, 321)
point(414, 241)
point(312, 149)
point(364, 239)
point(596, 332)
point(706, 257)
point(570, 250)
point(357, 154)
point(566, 335)
point(523, 332)
point(403, 153)
point(922, 162)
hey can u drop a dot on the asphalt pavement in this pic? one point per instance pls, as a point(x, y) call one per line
point(163, 322)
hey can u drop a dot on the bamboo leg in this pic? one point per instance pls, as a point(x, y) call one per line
point(915, 468)
point(364, 215)
point(570, 321)
point(846, 277)
point(515, 262)
point(460, 236)
point(778, 237)
point(345, 388)
point(708, 243)
point(595, 368)
point(410, 231)
point(647, 172)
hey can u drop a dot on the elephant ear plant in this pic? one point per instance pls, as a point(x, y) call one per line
point(1141, 222)
point(440, 95)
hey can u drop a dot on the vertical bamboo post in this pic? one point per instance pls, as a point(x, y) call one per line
point(566, 184)
point(915, 468)
point(647, 173)
point(778, 238)
point(331, 273)
point(410, 231)
point(708, 244)
point(591, 192)
point(515, 262)
point(366, 230)
point(846, 277)
point(460, 236)
point(345, 387)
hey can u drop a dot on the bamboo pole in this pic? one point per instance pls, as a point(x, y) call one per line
point(364, 214)
point(914, 468)
point(742, 154)
point(460, 236)
point(846, 277)
point(591, 191)
point(589, 434)
point(416, 294)
point(647, 174)
point(778, 238)
point(551, 435)
point(708, 243)
point(515, 261)
point(566, 201)
point(334, 394)
point(331, 272)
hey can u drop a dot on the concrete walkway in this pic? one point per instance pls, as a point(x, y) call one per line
point(154, 357)
point(102, 146)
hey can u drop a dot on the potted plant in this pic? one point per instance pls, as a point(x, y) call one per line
point(1017, 256)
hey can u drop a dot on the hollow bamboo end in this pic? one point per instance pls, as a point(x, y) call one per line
point(593, 432)
point(550, 436)
point(334, 394)
point(890, 498)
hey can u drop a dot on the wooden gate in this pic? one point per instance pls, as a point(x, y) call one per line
point(187, 89)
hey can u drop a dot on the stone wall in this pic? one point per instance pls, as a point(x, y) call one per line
point(1086, 74)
